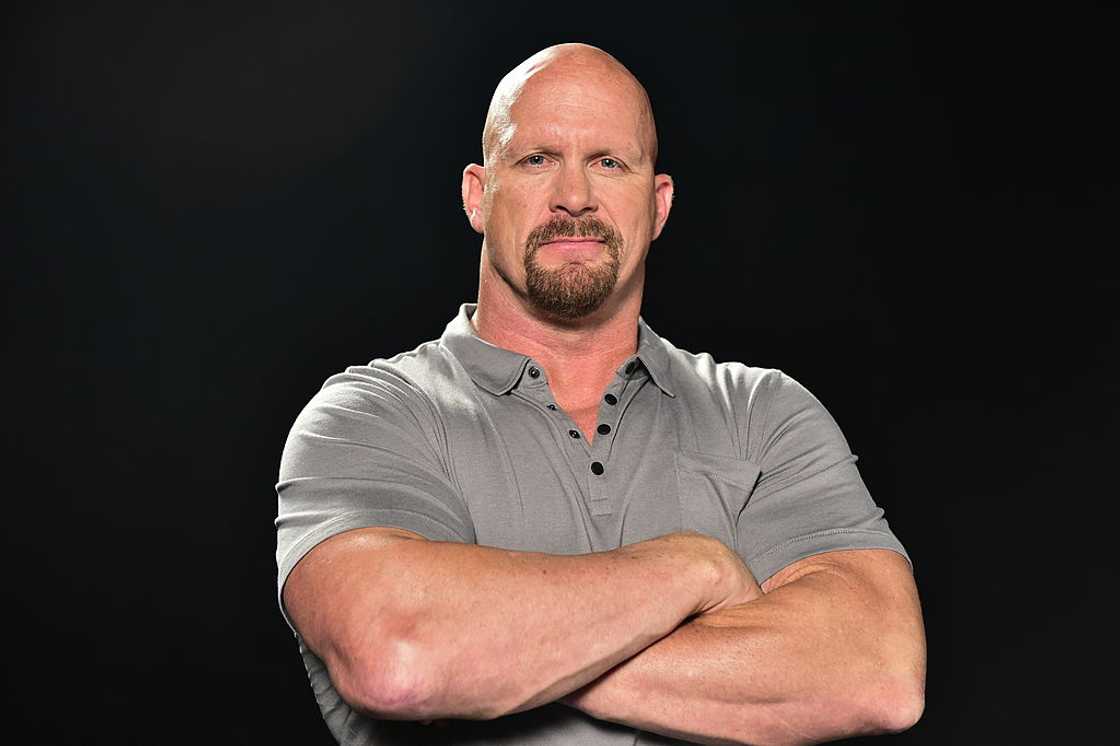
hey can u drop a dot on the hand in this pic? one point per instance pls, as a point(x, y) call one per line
point(738, 584)
point(723, 579)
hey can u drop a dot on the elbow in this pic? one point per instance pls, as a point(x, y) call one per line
point(388, 683)
point(400, 684)
point(900, 704)
point(401, 677)
point(879, 704)
point(905, 713)
point(899, 689)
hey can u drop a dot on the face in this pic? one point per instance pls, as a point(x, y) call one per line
point(569, 202)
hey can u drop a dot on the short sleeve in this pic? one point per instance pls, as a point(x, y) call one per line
point(809, 497)
point(366, 451)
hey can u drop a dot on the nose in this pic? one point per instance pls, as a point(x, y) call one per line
point(573, 192)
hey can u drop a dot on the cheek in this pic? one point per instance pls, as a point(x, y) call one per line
point(505, 230)
point(636, 219)
point(513, 216)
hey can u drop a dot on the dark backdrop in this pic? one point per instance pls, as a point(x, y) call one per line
point(209, 211)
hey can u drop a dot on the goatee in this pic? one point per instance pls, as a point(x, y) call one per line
point(574, 289)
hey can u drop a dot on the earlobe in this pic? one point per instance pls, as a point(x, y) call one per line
point(473, 187)
point(663, 199)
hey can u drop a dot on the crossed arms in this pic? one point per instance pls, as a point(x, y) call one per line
point(671, 635)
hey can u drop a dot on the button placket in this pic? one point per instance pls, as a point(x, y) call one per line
point(536, 383)
point(610, 410)
point(598, 482)
point(534, 387)
point(600, 475)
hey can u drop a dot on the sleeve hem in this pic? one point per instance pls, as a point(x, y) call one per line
point(769, 562)
point(422, 524)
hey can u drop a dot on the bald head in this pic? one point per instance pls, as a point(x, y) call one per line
point(565, 64)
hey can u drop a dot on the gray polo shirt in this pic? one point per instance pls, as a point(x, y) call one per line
point(459, 440)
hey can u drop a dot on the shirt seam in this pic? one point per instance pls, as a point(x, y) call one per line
point(312, 537)
point(770, 489)
point(441, 448)
point(815, 535)
point(765, 429)
point(321, 533)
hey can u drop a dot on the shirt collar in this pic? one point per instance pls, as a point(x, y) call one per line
point(654, 356)
point(498, 370)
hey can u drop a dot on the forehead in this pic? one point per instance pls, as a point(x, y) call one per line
point(597, 108)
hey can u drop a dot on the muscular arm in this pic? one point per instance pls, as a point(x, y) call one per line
point(834, 648)
point(417, 629)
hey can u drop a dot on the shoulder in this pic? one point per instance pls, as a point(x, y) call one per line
point(735, 382)
point(408, 381)
point(760, 403)
point(392, 399)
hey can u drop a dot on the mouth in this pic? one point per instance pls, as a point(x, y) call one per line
point(572, 240)
point(563, 241)
point(571, 249)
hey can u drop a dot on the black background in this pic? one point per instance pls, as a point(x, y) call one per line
point(209, 211)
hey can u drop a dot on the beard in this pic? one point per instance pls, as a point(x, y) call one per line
point(574, 289)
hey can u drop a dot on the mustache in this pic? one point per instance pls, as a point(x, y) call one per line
point(562, 227)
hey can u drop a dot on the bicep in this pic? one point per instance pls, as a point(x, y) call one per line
point(323, 592)
point(871, 603)
point(810, 498)
point(355, 459)
point(877, 584)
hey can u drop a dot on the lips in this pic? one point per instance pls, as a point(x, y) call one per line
point(573, 249)
point(565, 239)
point(573, 244)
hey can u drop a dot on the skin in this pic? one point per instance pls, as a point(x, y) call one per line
point(830, 646)
point(420, 630)
point(570, 134)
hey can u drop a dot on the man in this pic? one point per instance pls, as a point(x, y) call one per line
point(550, 525)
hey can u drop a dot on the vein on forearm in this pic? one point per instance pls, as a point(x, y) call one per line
point(780, 668)
point(492, 631)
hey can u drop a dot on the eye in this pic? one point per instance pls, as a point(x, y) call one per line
point(534, 160)
point(610, 163)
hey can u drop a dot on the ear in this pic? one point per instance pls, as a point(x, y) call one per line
point(474, 186)
point(663, 201)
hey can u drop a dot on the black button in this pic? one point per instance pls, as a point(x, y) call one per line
point(574, 433)
point(631, 367)
point(604, 429)
point(552, 407)
point(596, 468)
point(534, 373)
point(611, 399)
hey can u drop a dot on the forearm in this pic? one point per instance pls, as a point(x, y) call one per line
point(433, 630)
point(823, 658)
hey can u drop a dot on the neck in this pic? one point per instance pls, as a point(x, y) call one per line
point(579, 357)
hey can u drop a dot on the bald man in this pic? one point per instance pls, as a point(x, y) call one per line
point(551, 526)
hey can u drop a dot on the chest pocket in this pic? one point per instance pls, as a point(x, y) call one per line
point(713, 492)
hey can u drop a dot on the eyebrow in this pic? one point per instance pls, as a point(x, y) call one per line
point(637, 155)
point(632, 156)
point(511, 154)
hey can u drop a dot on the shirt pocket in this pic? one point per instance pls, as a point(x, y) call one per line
point(713, 491)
